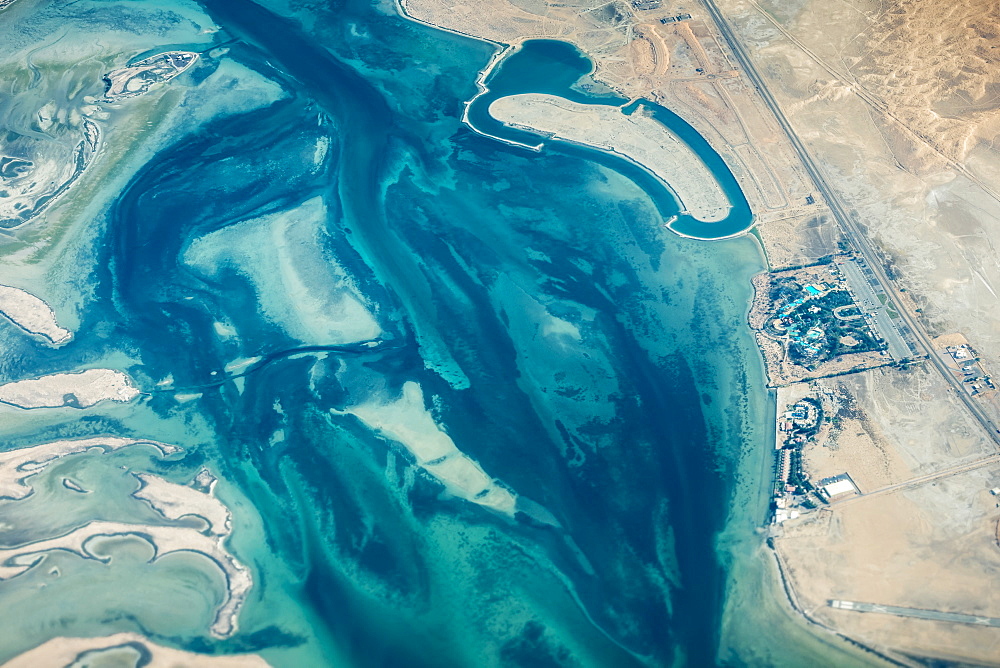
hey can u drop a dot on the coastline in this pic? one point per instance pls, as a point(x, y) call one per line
point(766, 605)
point(164, 540)
point(785, 597)
point(171, 501)
point(793, 602)
point(677, 166)
point(708, 218)
point(33, 315)
point(65, 651)
point(76, 389)
point(17, 465)
point(502, 51)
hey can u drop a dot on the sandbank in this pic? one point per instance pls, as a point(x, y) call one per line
point(638, 137)
point(32, 315)
point(139, 77)
point(64, 652)
point(79, 390)
point(408, 422)
point(16, 560)
point(174, 501)
point(18, 465)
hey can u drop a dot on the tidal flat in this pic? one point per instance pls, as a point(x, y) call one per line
point(463, 404)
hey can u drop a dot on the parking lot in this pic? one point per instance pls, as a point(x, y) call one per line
point(876, 312)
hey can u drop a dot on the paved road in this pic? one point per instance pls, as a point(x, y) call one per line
point(875, 102)
point(847, 223)
point(916, 612)
point(920, 480)
point(864, 293)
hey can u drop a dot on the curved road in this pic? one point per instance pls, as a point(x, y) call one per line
point(847, 223)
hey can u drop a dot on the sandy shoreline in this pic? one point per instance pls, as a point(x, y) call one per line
point(796, 606)
point(18, 465)
point(607, 128)
point(64, 652)
point(165, 539)
point(174, 501)
point(32, 315)
point(695, 189)
point(78, 389)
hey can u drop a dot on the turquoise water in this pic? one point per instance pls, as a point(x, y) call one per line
point(310, 200)
point(553, 67)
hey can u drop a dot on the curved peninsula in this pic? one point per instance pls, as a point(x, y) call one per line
point(635, 136)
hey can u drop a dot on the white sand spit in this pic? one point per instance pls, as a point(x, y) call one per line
point(175, 501)
point(32, 315)
point(64, 652)
point(408, 422)
point(15, 561)
point(17, 465)
point(80, 390)
point(638, 137)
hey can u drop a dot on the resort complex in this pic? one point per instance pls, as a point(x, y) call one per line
point(499, 333)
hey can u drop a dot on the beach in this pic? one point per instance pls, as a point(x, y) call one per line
point(81, 389)
point(32, 315)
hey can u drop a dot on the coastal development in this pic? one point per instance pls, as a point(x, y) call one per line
point(882, 415)
point(376, 334)
point(825, 319)
point(607, 128)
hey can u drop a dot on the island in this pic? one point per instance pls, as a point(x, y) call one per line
point(137, 78)
point(32, 315)
point(78, 390)
point(126, 649)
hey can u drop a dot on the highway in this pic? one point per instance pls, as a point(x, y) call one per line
point(847, 222)
point(873, 101)
point(864, 295)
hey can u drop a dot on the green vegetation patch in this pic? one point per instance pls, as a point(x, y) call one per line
point(816, 335)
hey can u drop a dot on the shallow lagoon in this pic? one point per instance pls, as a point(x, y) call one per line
point(593, 362)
